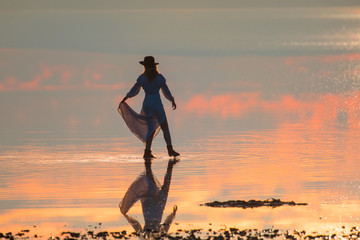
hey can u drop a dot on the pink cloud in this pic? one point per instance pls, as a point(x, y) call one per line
point(314, 110)
point(47, 72)
point(65, 77)
point(223, 105)
point(97, 76)
point(60, 78)
point(102, 86)
point(11, 81)
point(31, 85)
point(286, 104)
point(9, 84)
point(36, 83)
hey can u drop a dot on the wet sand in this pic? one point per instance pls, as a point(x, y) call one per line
point(208, 234)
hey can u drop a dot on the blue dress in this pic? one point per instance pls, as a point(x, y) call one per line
point(152, 114)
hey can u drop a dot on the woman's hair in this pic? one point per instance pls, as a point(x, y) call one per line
point(151, 72)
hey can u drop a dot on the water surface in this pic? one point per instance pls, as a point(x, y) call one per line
point(268, 107)
point(78, 183)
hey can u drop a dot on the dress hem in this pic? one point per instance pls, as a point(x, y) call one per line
point(139, 124)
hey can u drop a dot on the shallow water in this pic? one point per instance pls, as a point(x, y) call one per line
point(268, 107)
point(50, 185)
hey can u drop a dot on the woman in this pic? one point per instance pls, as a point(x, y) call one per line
point(152, 117)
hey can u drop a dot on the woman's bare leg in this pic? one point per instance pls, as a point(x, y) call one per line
point(147, 152)
point(166, 132)
point(167, 137)
point(149, 141)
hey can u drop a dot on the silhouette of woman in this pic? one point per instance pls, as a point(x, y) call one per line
point(152, 116)
point(153, 197)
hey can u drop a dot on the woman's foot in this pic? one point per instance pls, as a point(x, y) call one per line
point(147, 154)
point(171, 151)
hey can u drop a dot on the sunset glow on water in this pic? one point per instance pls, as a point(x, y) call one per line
point(268, 107)
point(62, 188)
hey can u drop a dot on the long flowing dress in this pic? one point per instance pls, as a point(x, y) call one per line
point(152, 114)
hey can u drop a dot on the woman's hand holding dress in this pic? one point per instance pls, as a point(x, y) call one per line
point(122, 101)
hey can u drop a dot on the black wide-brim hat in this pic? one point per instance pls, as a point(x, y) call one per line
point(149, 61)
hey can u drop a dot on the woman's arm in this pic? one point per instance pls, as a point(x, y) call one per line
point(166, 91)
point(132, 93)
point(134, 90)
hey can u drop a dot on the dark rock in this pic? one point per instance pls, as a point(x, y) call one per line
point(8, 235)
point(220, 237)
point(252, 238)
point(116, 235)
point(102, 234)
point(242, 233)
point(91, 233)
point(72, 234)
point(251, 203)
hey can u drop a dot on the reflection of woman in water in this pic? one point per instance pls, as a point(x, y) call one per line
point(152, 117)
point(153, 199)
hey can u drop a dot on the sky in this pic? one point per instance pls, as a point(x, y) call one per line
point(65, 65)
